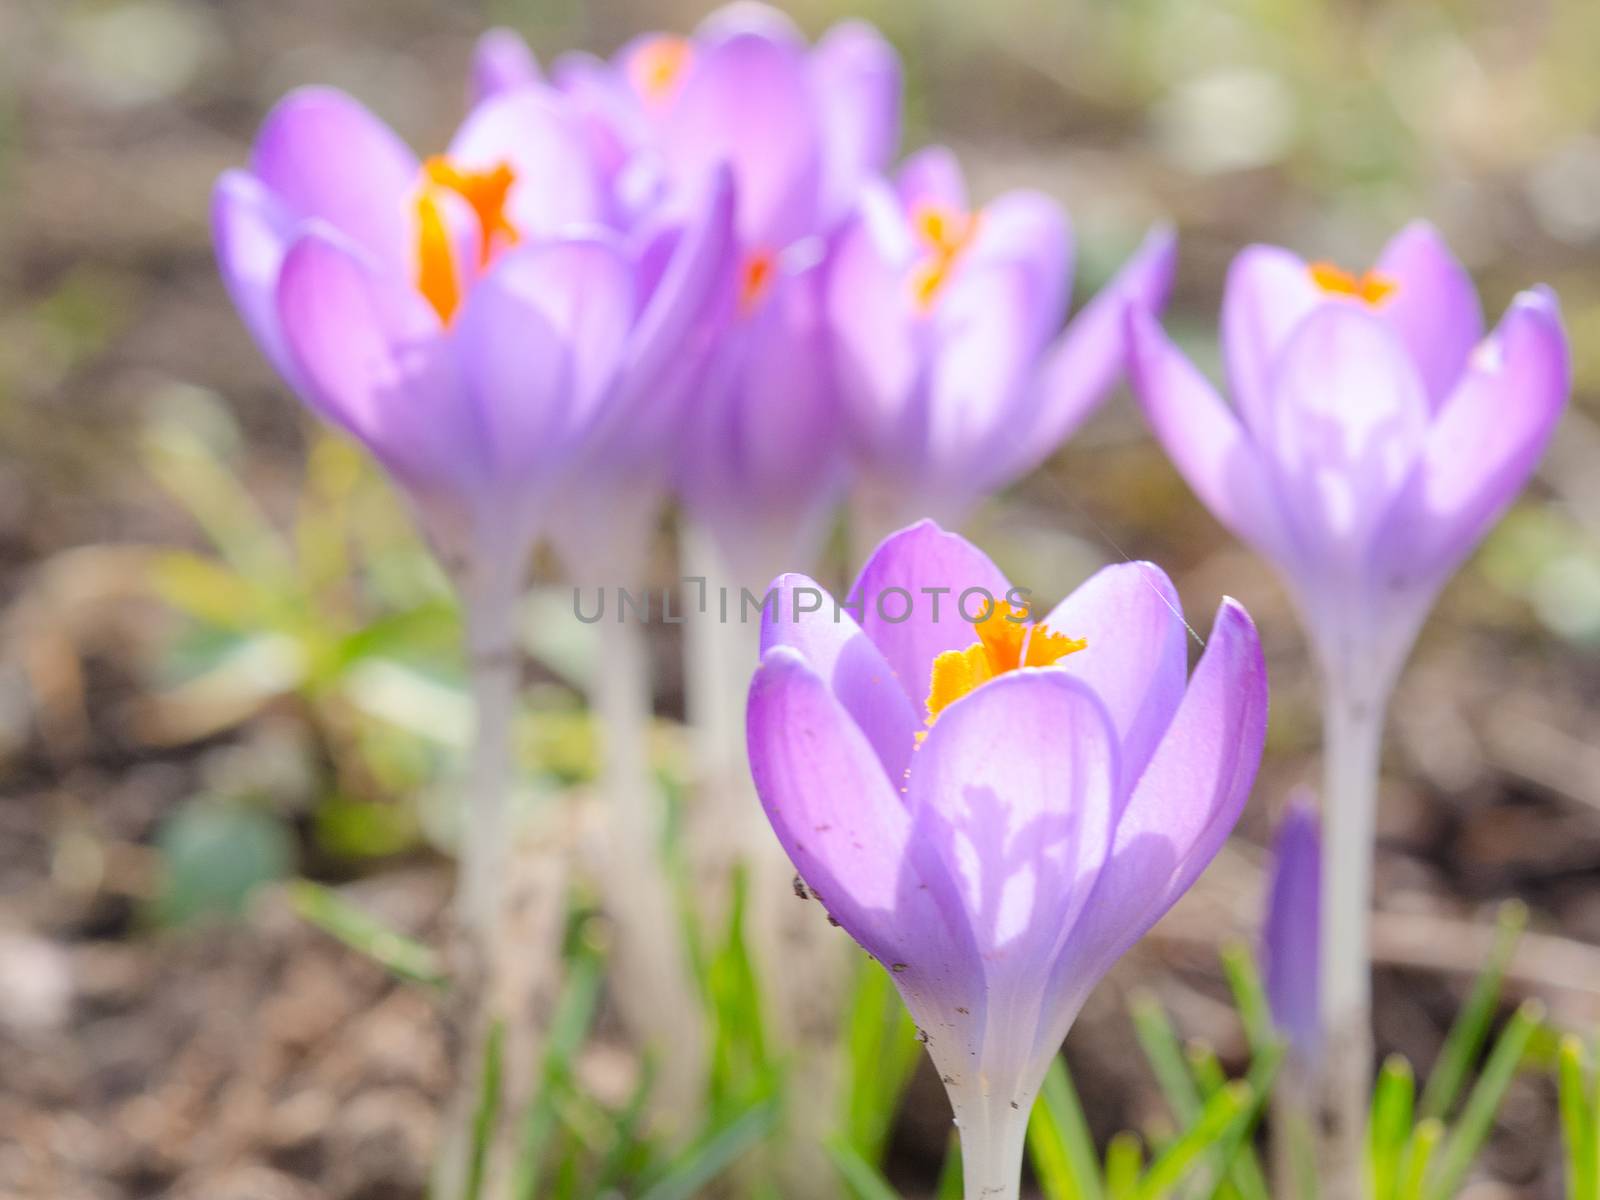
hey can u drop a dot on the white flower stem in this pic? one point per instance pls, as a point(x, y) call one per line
point(490, 599)
point(1353, 719)
point(656, 992)
point(993, 1137)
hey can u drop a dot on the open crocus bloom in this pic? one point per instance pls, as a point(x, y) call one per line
point(1375, 433)
point(475, 318)
point(800, 128)
point(943, 319)
point(997, 810)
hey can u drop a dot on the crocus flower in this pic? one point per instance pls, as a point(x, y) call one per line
point(478, 318)
point(993, 805)
point(1290, 929)
point(945, 323)
point(1375, 433)
point(1375, 436)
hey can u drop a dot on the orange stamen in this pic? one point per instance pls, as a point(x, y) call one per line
point(1004, 644)
point(1371, 288)
point(656, 69)
point(756, 276)
point(486, 193)
point(945, 234)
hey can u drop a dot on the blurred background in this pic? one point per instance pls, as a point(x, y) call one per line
point(225, 663)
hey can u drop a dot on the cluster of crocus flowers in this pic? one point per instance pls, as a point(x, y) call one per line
point(1376, 434)
point(995, 804)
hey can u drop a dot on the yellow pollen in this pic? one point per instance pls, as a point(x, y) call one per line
point(657, 67)
point(756, 274)
point(1371, 288)
point(485, 192)
point(944, 233)
point(1004, 643)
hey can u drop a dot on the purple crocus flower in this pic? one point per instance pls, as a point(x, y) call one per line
point(997, 807)
point(1375, 436)
point(1290, 930)
point(1375, 433)
point(477, 319)
point(945, 323)
point(801, 128)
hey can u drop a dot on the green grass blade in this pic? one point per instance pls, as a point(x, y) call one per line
point(1477, 1116)
point(1233, 1104)
point(881, 1052)
point(1419, 1158)
point(693, 1169)
point(1159, 1041)
point(949, 1187)
point(487, 1111)
point(1389, 1126)
point(1579, 1122)
point(1249, 996)
point(334, 915)
point(568, 1026)
point(1059, 1143)
point(1245, 1178)
point(1124, 1164)
point(1471, 1029)
point(863, 1178)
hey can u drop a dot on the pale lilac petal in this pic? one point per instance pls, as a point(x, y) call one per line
point(804, 617)
point(541, 340)
point(1013, 793)
point(1203, 438)
point(1434, 307)
point(374, 362)
point(558, 185)
point(1347, 420)
point(501, 62)
point(750, 17)
point(985, 342)
point(1079, 370)
point(842, 823)
point(904, 578)
point(748, 103)
point(857, 79)
point(1291, 934)
point(1182, 809)
point(932, 176)
point(251, 230)
point(1137, 657)
point(879, 344)
point(1268, 293)
point(326, 157)
point(1481, 448)
point(1029, 228)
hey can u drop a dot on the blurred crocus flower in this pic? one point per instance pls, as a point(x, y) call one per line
point(946, 323)
point(1375, 434)
point(478, 318)
point(996, 806)
point(1291, 929)
point(801, 128)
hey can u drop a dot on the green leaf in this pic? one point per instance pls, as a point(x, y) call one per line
point(1419, 1158)
point(1467, 1036)
point(1159, 1041)
point(949, 1185)
point(1223, 1114)
point(1580, 1123)
point(1389, 1126)
point(1124, 1164)
point(394, 951)
point(487, 1111)
point(1249, 996)
point(215, 855)
point(1478, 1114)
point(1059, 1142)
point(880, 1054)
point(702, 1162)
point(863, 1178)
